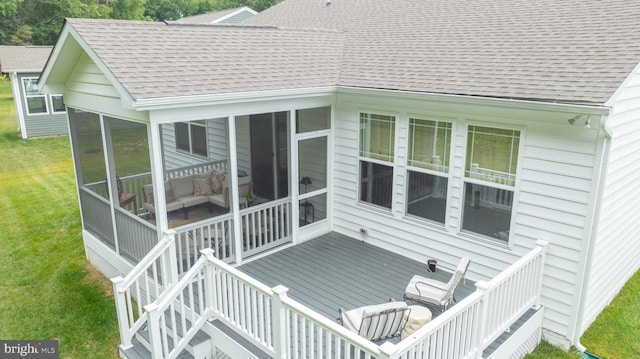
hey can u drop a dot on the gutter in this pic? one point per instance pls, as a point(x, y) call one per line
point(227, 98)
point(586, 268)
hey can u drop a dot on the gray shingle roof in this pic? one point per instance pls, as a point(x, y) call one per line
point(23, 58)
point(207, 18)
point(568, 51)
point(155, 60)
point(575, 51)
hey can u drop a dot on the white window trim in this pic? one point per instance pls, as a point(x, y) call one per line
point(26, 98)
point(53, 110)
point(392, 164)
point(448, 174)
point(478, 237)
point(189, 138)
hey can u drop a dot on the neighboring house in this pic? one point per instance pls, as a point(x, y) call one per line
point(229, 16)
point(431, 129)
point(38, 115)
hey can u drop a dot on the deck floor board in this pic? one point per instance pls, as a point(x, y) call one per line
point(334, 271)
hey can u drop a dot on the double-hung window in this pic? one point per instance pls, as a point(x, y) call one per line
point(191, 137)
point(36, 102)
point(377, 141)
point(489, 182)
point(428, 168)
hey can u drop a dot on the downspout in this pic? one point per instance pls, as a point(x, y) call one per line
point(586, 270)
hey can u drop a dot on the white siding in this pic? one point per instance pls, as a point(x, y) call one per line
point(243, 139)
point(551, 204)
point(616, 251)
point(216, 143)
point(87, 88)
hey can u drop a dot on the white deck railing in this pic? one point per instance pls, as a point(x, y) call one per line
point(197, 168)
point(144, 285)
point(464, 330)
point(265, 226)
point(216, 233)
point(282, 327)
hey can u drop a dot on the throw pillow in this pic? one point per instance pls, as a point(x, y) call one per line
point(217, 178)
point(201, 187)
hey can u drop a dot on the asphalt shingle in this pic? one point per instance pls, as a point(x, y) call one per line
point(574, 51)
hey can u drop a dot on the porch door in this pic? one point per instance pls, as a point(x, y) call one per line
point(312, 135)
point(269, 149)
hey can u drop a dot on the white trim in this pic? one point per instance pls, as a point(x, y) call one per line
point(18, 101)
point(26, 97)
point(594, 109)
point(230, 98)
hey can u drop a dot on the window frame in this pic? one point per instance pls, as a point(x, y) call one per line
point(391, 157)
point(200, 125)
point(447, 174)
point(27, 96)
point(513, 187)
point(53, 109)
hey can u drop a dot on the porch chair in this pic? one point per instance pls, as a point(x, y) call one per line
point(432, 291)
point(376, 322)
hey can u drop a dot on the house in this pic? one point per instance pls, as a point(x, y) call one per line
point(229, 16)
point(38, 114)
point(505, 132)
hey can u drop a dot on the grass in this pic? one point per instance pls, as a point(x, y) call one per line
point(48, 291)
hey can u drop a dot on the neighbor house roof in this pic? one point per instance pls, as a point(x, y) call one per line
point(571, 51)
point(214, 17)
point(23, 58)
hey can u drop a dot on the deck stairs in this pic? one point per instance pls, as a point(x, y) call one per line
point(199, 346)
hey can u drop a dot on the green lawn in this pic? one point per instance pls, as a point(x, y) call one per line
point(47, 288)
point(49, 291)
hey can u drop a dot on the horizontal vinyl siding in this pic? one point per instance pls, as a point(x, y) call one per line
point(551, 204)
point(616, 252)
point(46, 125)
point(37, 125)
point(87, 88)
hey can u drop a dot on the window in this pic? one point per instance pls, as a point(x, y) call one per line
point(428, 161)
point(191, 137)
point(36, 103)
point(490, 172)
point(377, 141)
point(57, 104)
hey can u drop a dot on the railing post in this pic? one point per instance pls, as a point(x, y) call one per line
point(121, 312)
point(170, 260)
point(481, 323)
point(209, 281)
point(387, 351)
point(543, 247)
point(153, 324)
point(279, 321)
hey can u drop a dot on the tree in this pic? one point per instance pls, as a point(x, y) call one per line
point(129, 9)
point(8, 19)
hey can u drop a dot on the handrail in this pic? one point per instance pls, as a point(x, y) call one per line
point(143, 284)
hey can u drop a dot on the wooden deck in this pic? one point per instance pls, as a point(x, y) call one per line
point(334, 271)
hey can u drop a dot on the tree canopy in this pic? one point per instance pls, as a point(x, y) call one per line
point(38, 22)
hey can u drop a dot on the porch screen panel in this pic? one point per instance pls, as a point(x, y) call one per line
point(314, 119)
point(490, 175)
point(90, 150)
point(376, 149)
